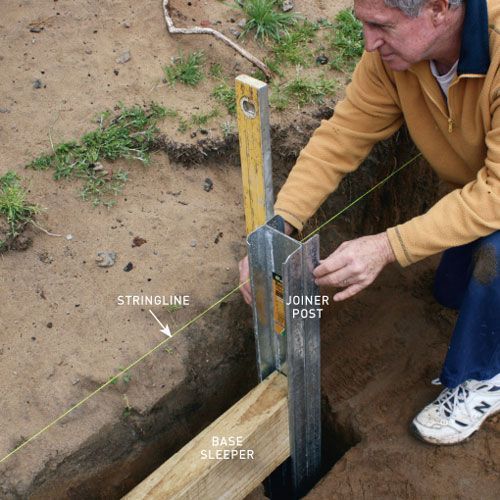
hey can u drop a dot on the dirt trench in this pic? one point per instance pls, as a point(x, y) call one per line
point(119, 454)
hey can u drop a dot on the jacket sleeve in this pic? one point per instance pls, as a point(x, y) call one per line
point(369, 113)
point(461, 216)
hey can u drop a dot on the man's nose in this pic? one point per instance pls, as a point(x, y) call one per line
point(373, 41)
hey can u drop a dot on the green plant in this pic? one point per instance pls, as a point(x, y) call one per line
point(183, 125)
point(306, 90)
point(227, 129)
point(130, 134)
point(302, 90)
point(347, 41)
point(265, 19)
point(202, 119)
point(171, 308)
point(215, 70)
point(226, 95)
point(186, 69)
point(291, 48)
point(278, 98)
point(14, 208)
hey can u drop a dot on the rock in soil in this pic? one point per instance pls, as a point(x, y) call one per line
point(124, 57)
point(106, 258)
point(208, 184)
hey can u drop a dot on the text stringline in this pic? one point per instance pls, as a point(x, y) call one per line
point(195, 319)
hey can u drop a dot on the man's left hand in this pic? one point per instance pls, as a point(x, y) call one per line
point(355, 264)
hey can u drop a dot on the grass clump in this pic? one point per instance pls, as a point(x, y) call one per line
point(302, 90)
point(291, 48)
point(14, 208)
point(186, 69)
point(347, 41)
point(265, 19)
point(130, 134)
point(202, 119)
point(226, 95)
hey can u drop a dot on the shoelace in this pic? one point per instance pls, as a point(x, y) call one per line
point(448, 400)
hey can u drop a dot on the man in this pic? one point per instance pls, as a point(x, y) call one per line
point(436, 65)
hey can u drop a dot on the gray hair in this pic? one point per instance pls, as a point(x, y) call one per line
point(412, 7)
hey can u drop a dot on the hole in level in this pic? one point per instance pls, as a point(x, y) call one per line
point(248, 107)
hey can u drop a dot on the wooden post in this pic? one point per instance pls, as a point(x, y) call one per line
point(260, 419)
point(252, 106)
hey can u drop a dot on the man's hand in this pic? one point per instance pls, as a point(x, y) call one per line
point(246, 289)
point(355, 264)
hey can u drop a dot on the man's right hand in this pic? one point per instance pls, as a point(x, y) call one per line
point(245, 289)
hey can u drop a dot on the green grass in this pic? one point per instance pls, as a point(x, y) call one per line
point(346, 41)
point(215, 70)
point(292, 47)
point(227, 129)
point(201, 119)
point(14, 208)
point(265, 19)
point(129, 134)
point(301, 91)
point(186, 69)
point(226, 95)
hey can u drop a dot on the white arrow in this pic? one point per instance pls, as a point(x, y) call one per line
point(164, 329)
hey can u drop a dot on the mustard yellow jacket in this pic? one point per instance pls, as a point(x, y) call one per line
point(460, 139)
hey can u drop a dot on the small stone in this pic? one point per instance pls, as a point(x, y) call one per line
point(287, 5)
point(116, 72)
point(97, 166)
point(322, 59)
point(4, 110)
point(36, 29)
point(205, 23)
point(138, 241)
point(126, 24)
point(232, 20)
point(203, 131)
point(69, 237)
point(236, 33)
point(124, 57)
point(193, 243)
point(88, 52)
point(241, 23)
point(208, 184)
point(49, 324)
point(33, 338)
point(106, 259)
point(218, 237)
point(37, 84)
point(193, 135)
point(128, 267)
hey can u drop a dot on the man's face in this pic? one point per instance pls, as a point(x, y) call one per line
point(401, 41)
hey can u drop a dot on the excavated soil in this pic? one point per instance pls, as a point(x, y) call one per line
point(63, 334)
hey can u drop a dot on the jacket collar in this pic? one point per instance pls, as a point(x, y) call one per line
point(475, 49)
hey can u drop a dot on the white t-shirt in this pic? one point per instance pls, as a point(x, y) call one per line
point(444, 80)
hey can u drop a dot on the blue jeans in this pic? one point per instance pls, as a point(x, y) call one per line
point(468, 279)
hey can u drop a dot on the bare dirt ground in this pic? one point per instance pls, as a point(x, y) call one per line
point(63, 334)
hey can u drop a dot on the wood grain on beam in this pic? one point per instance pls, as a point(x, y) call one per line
point(260, 418)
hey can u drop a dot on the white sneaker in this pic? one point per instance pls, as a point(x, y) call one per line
point(457, 413)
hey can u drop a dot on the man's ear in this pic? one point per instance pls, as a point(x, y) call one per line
point(438, 10)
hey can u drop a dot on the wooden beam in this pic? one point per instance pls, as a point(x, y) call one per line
point(259, 419)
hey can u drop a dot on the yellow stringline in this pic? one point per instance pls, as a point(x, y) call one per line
point(196, 318)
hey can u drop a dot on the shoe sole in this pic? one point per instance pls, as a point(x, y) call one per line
point(434, 441)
